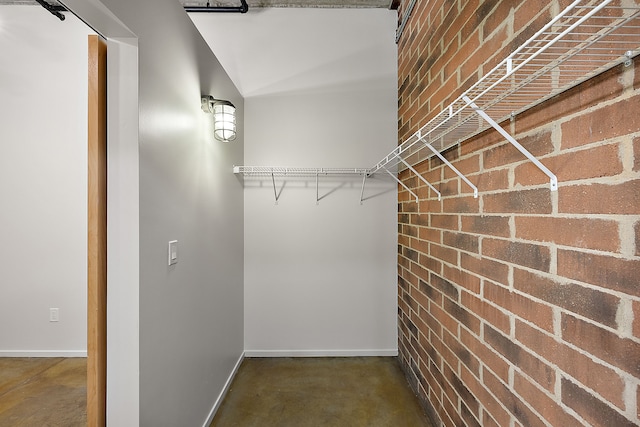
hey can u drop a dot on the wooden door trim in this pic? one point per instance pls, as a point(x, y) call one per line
point(97, 234)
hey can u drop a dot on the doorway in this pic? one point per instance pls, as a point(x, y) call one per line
point(43, 81)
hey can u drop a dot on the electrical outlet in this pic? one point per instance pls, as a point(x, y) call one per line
point(54, 315)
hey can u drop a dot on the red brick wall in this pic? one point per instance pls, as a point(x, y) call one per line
point(520, 307)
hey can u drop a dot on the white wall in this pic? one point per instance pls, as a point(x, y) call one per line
point(43, 182)
point(320, 87)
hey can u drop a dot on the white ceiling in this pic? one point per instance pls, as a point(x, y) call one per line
point(276, 51)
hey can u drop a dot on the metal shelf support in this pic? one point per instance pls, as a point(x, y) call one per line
point(421, 178)
point(553, 180)
point(453, 168)
point(402, 183)
point(364, 180)
point(275, 192)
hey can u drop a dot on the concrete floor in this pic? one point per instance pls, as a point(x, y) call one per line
point(43, 392)
point(354, 391)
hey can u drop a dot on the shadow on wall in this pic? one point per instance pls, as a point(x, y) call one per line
point(324, 186)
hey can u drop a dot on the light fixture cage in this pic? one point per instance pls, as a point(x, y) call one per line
point(224, 121)
point(224, 117)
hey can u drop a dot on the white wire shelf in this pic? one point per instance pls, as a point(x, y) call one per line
point(584, 40)
point(280, 171)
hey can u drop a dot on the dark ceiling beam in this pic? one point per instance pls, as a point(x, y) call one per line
point(53, 9)
point(243, 8)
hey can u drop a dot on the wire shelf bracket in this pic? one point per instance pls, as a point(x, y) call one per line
point(402, 183)
point(553, 180)
point(364, 180)
point(423, 179)
point(453, 168)
point(275, 192)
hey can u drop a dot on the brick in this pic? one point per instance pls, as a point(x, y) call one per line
point(450, 187)
point(462, 278)
point(470, 419)
point(467, 204)
point(420, 298)
point(431, 292)
point(539, 314)
point(480, 142)
point(586, 233)
point(531, 365)
point(431, 263)
point(487, 225)
point(538, 144)
point(449, 222)
point(493, 410)
point(488, 421)
point(467, 167)
point(431, 323)
point(598, 306)
point(526, 12)
point(430, 234)
point(591, 408)
point(420, 246)
point(410, 230)
point(451, 411)
point(419, 271)
point(462, 353)
point(525, 254)
point(536, 201)
point(488, 357)
point(596, 162)
point(605, 345)
point(594, 91)
point(497, 17)
point(447, 321)
point(515, 405)
point(461, 390)
point(542, 403)
point(592, 199)
point(486, 311)
point(465, 317)
point(611, 121)
point(497, 179)
point(411, 254)
point(600, 270)
point(484, 267)
point(443, 253)
point(448, 357)
point(462, 241)
point(444, 286)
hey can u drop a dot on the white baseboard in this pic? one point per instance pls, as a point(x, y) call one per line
point(43, 353)
point(224, 391)
point(321, 353)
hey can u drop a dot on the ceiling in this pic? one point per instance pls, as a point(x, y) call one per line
point(262, 3)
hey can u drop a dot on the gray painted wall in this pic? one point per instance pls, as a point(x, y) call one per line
point(190, 314)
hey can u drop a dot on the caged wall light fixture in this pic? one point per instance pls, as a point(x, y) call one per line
point(224, 117)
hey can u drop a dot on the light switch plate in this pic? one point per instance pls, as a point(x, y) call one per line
point(173, 252)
